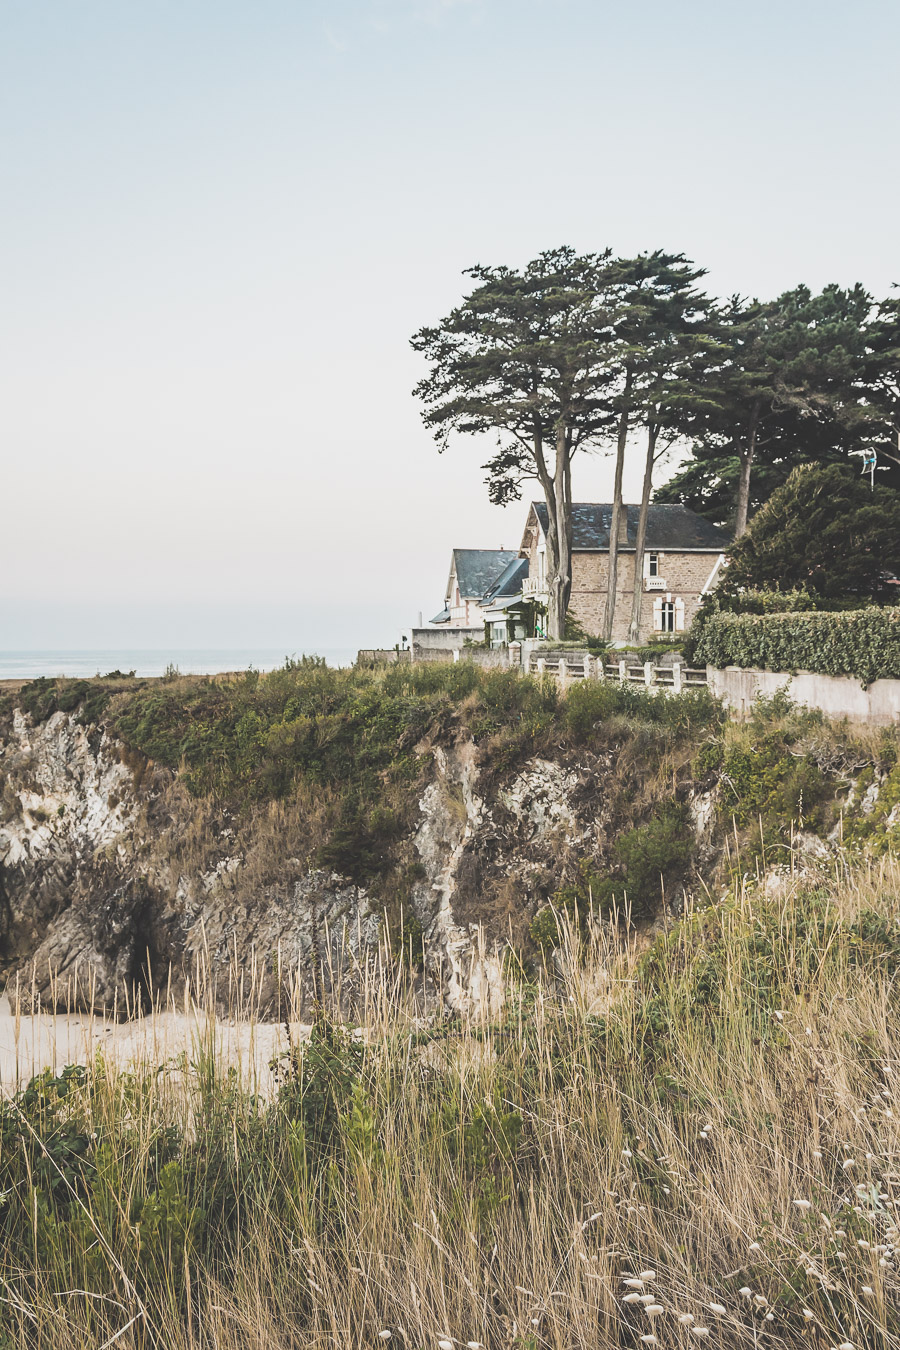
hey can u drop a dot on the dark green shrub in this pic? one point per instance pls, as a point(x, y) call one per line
point(654, 856)
point(764, 781)
point(863, 642)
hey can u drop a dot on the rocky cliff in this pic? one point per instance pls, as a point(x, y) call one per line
point(116, 879)
point(99, 894)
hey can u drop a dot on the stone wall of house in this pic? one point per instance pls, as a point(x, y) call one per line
point(685, 575)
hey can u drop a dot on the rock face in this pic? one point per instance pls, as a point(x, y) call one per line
point(113, 881)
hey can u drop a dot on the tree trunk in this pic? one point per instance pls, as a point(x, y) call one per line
point(559, 511)
point(746, 456)
point(610, 611)
point(637, 600)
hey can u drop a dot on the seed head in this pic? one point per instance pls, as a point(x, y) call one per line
point(868, 1291)
point(803, 1204)
point(700, 1331)
point(633, 1284)
point(653, 1309)
point(754, 1247)
point(686, 1319)
point(746, 1291)
point(717, 1308)
point(445, 1345)
point(649, 1339)
point(385, 1335)
point(808, 1314)
point(646, 1274)
point(632, 1298)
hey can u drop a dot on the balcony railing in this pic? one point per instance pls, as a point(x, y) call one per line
point(654, 584)
point(534, 586)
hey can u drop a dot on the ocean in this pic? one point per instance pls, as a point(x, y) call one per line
point(198, 661)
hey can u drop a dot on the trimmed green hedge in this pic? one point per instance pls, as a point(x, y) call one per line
point(860, 642)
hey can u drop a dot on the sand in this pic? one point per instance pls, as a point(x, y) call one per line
point(33, 1043)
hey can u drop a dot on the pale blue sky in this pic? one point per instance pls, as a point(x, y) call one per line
point(222, 221)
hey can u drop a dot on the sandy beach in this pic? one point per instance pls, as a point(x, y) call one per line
point(30, 1044)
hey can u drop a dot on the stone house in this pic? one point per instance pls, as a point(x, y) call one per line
point(682, 560)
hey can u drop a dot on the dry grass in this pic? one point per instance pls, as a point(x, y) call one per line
point(711, 1126)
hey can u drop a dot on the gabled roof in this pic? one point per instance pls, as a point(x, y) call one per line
point(478, 568)
point(509, 581)
point(672, 528)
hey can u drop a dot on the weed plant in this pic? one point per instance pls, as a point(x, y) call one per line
point(692, 1141)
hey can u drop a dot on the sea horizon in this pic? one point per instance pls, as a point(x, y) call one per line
point(83, 663)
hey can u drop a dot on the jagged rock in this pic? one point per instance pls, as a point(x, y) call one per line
point(114, 880)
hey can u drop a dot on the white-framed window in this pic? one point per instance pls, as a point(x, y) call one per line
point(668, 615)
point(652, 564)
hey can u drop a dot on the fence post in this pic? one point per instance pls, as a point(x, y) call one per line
point(456, 653)
point(541, 665)
point(515, 654)
point(588, 667)
point(600, 666)
point(563, 672)
point(623, 672)
point(648, 673)
point(676, 677)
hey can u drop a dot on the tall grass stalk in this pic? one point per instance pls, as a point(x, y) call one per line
point(709, 1123)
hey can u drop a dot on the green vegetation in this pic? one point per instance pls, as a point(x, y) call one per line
point(346, 746)
point(864, 643)
point(825, 531)
point(713, 1119)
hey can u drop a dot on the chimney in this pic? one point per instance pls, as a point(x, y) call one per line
point(623, 527)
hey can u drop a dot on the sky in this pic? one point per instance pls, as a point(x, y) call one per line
point(223, 220)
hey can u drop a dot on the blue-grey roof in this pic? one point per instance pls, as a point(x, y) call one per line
point(668, 528)
point(503, 603)
point(479, 568)
point(442, 617)
point(509, 582)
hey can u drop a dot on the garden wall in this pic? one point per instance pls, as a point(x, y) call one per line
point(834, 695)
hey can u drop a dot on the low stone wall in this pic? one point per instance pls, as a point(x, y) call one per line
point(422, 639)
point(434, 654)
point(383, 656)
point(835, 695)
point(490, 658)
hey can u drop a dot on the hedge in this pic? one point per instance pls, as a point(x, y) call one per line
point(860, 642)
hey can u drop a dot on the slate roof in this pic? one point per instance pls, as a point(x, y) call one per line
point(509, 581)
point(669, 528)
point(478, 568)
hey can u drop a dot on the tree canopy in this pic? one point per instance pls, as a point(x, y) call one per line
point(824, 531)
point(801, 379)
point(565, 355)
point(526, 356)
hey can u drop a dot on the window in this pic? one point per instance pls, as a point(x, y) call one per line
point(653, 565)
point(667, 616)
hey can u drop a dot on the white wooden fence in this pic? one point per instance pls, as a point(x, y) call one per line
point(569, 666)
